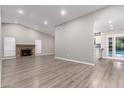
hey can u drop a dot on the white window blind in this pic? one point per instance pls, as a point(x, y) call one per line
point(38, 47)
point(9, 46)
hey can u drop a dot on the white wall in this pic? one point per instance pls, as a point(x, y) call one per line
point(24, 35)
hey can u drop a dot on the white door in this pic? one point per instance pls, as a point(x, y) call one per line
point(9, 46)
point(38, 47)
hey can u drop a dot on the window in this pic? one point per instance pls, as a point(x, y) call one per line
point(38, 47)
point(9, 46)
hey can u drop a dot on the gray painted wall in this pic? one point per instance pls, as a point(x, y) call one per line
point(74, 40)
point(0, 47)
point(24, 35)
point(0, 34)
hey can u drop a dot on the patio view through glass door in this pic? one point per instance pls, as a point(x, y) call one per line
point(115, 46)
point(120, 46)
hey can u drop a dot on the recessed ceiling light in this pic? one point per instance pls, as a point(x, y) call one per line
point(111, 25)
point(111, 28)
point(36, 28)
point(45, 22)
point(63, 12)
point(109, 21)
point(20, 11)
point(16, 22)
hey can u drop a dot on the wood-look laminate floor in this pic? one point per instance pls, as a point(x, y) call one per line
point(45, 71)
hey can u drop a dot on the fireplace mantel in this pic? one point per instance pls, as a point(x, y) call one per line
point(25, 45)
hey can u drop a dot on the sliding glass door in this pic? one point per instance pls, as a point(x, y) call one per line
point(115, 46)
point(120, 46)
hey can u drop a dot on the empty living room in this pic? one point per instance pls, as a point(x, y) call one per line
point(62, 46)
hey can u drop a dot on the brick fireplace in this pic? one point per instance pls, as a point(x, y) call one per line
point(25, 50)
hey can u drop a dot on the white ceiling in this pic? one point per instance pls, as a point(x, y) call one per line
point(35, 15)
point(110, 19)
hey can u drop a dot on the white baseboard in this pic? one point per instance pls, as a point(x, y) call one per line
point(45, 54)
point(48, 54)
point(74, 61)
point(114, 58)
point(4, 58)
